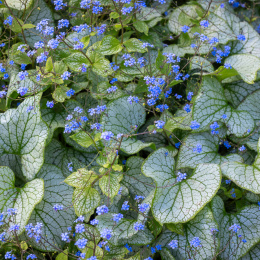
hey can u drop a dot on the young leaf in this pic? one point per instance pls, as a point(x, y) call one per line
point(109, 45)
point(134, 45)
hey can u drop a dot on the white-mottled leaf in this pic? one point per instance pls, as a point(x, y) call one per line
point(54, 223)
point(60, 156)
point(209, 153)
point(134, 180)
point(24, 134)
point(249, 221)
point(200, 227)
point(147, 14)
point(23, 199)
point(253, 254)
point(121, 117)
point(245, 176)
point(246, 65)
point(200, 63)
point(85, 200)
point(211, 104)
point(236, 92)
point(19, 4)
point(178, 202)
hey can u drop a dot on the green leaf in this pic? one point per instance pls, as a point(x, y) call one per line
point(200, 227)
point(109, 45)
point(141, 26)
point(102, 67)
point(17, 25)
point(120, 117)
point(236, 92)
point(245, 176)
point(211, 104)
point(75, 60)
point(200, 63)
point(174, 201)
point(110, 184)
point(113, 15)
point(248, 219)
point(24, 134)
point(85, 40)
point(134, 45)
point(35, 15)
point(19, 5)
point(177, 228)
point(63, 255)
point(59, 67)
point(16, 83)
point(55, 223)
point(85, 200)
point(253, 254)
point(49, 65)
point(81, 178)
point(209, 153)
point(59, 93)
point(161, 64)
point(134, 180)
point(147, 14)
point(246, 65)
point(182, 16)
point(60, 155)
point(23, 199)
point(102, 88)
point(28, 26)
point(83, 139)
point(124, 229)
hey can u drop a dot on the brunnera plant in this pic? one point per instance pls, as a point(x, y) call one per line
point(129, 130)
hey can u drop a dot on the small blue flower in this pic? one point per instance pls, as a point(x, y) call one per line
point(102, 210)
point(70, 92)
point(58, 207)
point(242, 148)
point(94, 222)
point(195, 242)
point(159, 124)
point(138, 226)
point(81, 243)
point(241, 37)
point(107, 135)
point(204, 23)
point(194, 125)
point(8, 20)
point(125, 206)
point(181, 176)
point(106, 233)
point(117, 217)
point(234, 228)
point(185, 28)
point(173, 244)
point(66, 75)
point(197, 149)
point(50, 104)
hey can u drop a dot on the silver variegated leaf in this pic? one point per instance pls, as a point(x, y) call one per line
point(178, 202)
point(24, 133)
point(23, 199)
point(248, 219)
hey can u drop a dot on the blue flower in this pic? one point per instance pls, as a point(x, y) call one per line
point(66, 75)
point(185, 28)
point(159, 124)
point(177, 145)
point(181, 176)
point(81, 243)
point(107, 135)
point(194, 125)
point(117, 217)
point(22, 75)
point(195, 242)
point(125, 206)
point(214, 126)
point(58, 207)
point(242, 148)
point(228, 181)
point(106, 233)
point(31, 256)
point(128, 248)
point(59, 4)
point(143, 207)
point(138, 226)
point(127, 10)
point(70, 92)
point(234, 228)
point(102, 210)
point(8, 20)
point(53, 44)
point(227, 66)
point(63, 23)
point(241, 37)
point(79, 228)
point(94, 222)
point(173, 244)
point(204, 23)
point(226, 144)
point(197, 149)
point(112, 89)
point(22, 91)
point(187, 108)
point(50, 104)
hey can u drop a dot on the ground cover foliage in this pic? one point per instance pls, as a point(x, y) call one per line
point(129, 130)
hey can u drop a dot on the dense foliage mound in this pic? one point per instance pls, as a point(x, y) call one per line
point(129, 130)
